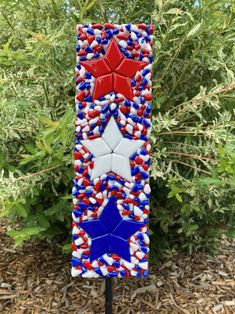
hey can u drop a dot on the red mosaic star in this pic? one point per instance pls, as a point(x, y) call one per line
point(113, 72)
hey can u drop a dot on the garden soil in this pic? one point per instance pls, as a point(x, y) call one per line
point(36, 278)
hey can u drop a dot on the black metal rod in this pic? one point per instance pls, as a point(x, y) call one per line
point(108, 295)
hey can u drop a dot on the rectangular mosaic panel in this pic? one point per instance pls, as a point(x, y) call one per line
point(112, 153)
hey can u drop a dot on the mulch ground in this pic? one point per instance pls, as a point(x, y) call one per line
point(36, 279)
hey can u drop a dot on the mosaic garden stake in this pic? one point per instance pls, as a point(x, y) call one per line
point(112, 152)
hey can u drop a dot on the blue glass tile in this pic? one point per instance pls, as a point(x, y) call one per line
point(140, 236)
point(122, 181)
point(144, 175)
point(74, 237)
point(104, 42)
point(98, 39)
point(144, 249)
point(98, 271)
point(88, 75)
point(94, 228)
point(133, 82)
point(105, 108)
point(99, 247)
point(128, 136)
point(114, 187)
point(82, 205)
point(75, 192)
point(110, 211)
point(142, 99)
point(76, 262)
point(113, 274)
point(127, 228)
point(102, 187)
point(116, 264)
point(120, 247)
point(145, 72)
point(129, 42)
point(123, 273)
point(111, 177)
point(143, 152)
point(80, 115)
point(115, 114)
point(90, 31)
point(146, 273)
point(88, 49)
point(127, 103)
point(88, 99)
point(102, 260)
point(80, 170)
point(135, 105)
point(145, 202)
point(146, 123)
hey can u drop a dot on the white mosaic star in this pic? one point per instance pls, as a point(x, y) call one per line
point(112, 152)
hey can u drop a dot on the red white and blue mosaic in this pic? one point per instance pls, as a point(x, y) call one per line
point(112, 153)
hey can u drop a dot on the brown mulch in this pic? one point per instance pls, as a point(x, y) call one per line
point(36, 279)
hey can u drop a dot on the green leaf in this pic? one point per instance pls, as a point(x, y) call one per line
point(194, 30)
point(19, 236)
point(21, 210)
point(206, 181)
point(178, 197)
point(4, 212)
point(67, 248)
point(175, 11)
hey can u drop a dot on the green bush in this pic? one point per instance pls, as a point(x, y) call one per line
point(193, 151)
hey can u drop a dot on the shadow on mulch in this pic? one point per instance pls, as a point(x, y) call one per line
point(36, 279)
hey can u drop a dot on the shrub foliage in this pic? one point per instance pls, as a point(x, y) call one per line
point(193, 151)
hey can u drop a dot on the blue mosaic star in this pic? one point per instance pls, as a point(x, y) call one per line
point(110, 233)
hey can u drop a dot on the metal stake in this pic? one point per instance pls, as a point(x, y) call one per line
point(108, 295)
